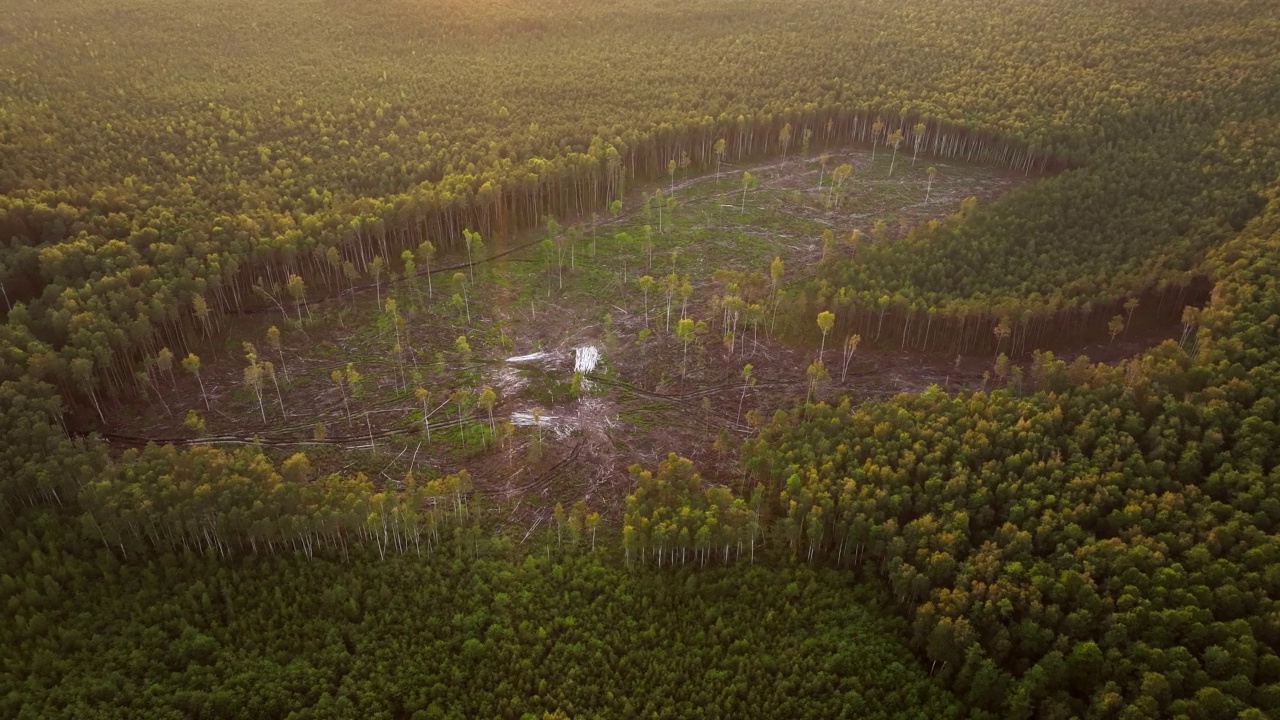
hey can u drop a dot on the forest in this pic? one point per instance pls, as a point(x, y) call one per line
point(684, 359)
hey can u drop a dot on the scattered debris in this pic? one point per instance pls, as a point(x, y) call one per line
point(528, 358)
point(585, 359)
point(509, 380)
point(526, 418)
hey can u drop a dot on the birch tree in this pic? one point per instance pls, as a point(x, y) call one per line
point(850, 347)
point(410, 273)
point(748, 182)
point(424, 397)
point(895, 139)
point(427, 252)
point(192, 365)
point(340, 380)
point(748, 382)
point(685, 334)
point(273, 342)
point(826, 321)
point(375, 269)
point(460, 297)
point(298, 291)
point(646, 284)
point(917, 139)
point(164, 363)
point(253, 378)
point(475, 246)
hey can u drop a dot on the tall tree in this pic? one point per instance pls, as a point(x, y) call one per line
point(776, 270)
point(1129, 306)
point(298, 291)
point(273, 342)
point(917, 140)
point(424, 397)
point(826, 321)
point(748, 182)
point(895, 139)
point(475, 247)
point(1001, 331)
point(748, 381)
point(253, 376)
point(817, 373)
point(426, 253)
point(397, 350)
point(685, 334)
point(1115, 326)
point(85, 379)
point(164, 363)
point(410, 275)
point(201, 309)
point(340, 380)
point(460, 297)
point(375, 269)
point(850, 347)
point(838, 178)
point(269, 369)
point(192, 365)
point(646, 284)
point(488, 398)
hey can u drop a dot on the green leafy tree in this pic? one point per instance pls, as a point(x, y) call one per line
point(273, 341)
point(646, 284)
point(826, 321)
point(426, 253)
point(749, 182)
point(298, 291)
point(850, 347)
point(195, 423)
point(488, 398)
point(895, 139)
point(475, 248)
point(748, 382)
point(1115, 326)
point(685, 334)
point(461, 300)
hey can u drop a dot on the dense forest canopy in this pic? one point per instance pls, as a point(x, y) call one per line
point(1071, 540)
